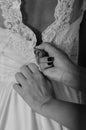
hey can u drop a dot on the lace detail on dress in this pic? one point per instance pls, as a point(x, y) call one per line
point(57, 31)
point(20, 39)
point(19, 42)
point(63, 10)
point(11, 13)
point(13, 19)
point(62, 17)
point(17, 51)
point(61, 32)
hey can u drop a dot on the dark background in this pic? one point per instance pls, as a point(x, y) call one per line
point(82, 43)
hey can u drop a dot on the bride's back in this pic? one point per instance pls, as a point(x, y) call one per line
point(40, 13)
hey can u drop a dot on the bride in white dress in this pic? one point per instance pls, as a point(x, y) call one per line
point(17, 43)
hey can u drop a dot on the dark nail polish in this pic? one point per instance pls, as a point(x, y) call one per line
point(51, 59)
point(38, 53)
point(50, 63)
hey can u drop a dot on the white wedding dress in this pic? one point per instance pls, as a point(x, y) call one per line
point(16, 49)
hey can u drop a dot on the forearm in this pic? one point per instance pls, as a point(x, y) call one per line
point(67, 114)
point(76, 78)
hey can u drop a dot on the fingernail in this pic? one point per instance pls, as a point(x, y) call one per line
point(40, 53)
point(36, 51)
point(50, 63)
point(50, 58)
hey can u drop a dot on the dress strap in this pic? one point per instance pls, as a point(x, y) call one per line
point(63, 10)
point(62, 20)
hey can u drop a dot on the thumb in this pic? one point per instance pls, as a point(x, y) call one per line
point(53, 73)
point(48, 48)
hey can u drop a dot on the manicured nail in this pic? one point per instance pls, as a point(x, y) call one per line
point(50, 63)
point(37, 52)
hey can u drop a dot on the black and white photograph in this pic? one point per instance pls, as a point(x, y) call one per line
point(42, 65)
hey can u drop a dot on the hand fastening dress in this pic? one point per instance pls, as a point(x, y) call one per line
point(16, 49)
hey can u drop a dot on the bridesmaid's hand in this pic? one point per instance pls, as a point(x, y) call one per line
point(56, 63)
point(33, 87)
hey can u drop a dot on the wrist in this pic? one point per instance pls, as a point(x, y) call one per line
point(46, 106)
point(71, 77)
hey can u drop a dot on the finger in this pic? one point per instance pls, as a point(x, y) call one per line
point(20, 78)
point(46, 59)
point(44, 66)
point(18, 89)
point(37, 60)
point(48, 48)
point(49, 72)
point(34, 68)
point(26, 71)
point(40, 53)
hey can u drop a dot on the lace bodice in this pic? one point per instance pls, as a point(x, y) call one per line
point(17, 40)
